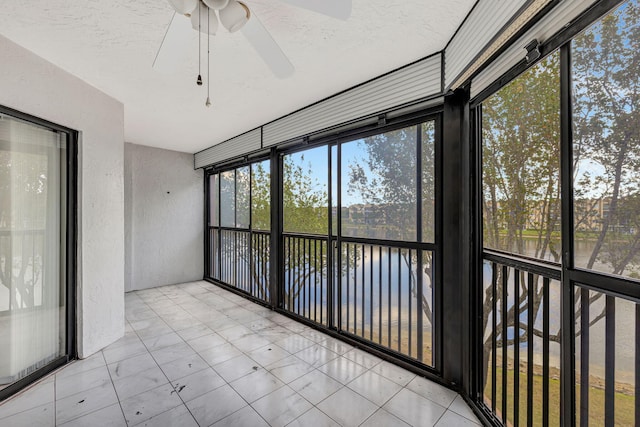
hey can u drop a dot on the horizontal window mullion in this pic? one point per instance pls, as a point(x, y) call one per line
point(553, 271)
point(390, 243)
point(613, 285)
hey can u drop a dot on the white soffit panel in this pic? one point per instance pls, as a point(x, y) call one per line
point(484, 22)
point(229, 149)
point(557, 19)
point(412, 83)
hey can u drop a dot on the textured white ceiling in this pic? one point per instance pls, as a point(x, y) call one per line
point(112, 44)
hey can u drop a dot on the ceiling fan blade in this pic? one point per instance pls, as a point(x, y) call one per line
point(339, 9)
point(174, 46)
point(267, 48)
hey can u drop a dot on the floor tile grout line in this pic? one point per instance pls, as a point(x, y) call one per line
point(239, 316)
point(266, 370)
point(226, 383)
point(169, 381)
point(55, 391)
point(114, 389)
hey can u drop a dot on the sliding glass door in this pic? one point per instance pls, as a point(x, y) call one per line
point(359, 240)
point(33, 248)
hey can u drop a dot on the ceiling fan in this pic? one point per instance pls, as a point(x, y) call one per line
point(234, 15)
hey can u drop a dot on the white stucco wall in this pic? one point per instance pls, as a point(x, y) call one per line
point(34, 86)
point(163, 218)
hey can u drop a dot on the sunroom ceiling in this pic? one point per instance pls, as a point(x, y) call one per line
point(112, 44)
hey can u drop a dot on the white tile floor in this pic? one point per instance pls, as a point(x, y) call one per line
point(197, 355)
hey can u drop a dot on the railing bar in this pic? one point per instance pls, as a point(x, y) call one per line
point(504, 319)
point(294, 270)
point(363, 291)
point(370, 292)
point(389, 243)
point(303, 290)
point(304, 264)
point(321, 280)
point(494, 332)
point(530, 320)
point(409, 301)
point(516, 348)
point(637, 373)
point(287, 246)
point(311, 265)
point(253, 285)
point(299, 252)
point(389, 297)
point(348, 298)
point(399, 300)
point(530, 265)
point(584, 357)
point(355, 289)
point(266, 258)
point(545, 351)
point(380, 295)
point(312, 272)
point(419, 307)
point(292, 248)
point(315, 279)
point(610, 361)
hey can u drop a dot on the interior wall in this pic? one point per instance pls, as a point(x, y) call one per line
point(32, 85)
point(163, 218)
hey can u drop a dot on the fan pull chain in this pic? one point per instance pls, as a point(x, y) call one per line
point(208, 103)
point(199, 79)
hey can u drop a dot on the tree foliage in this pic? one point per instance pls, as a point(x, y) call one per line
point(521, 183)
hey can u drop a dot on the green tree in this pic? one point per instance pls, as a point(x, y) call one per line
point(521, 186)
point(606, 67)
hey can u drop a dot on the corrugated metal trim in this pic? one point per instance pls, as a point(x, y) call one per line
point(417, 81)
point(481, 26)
point(552, 23)
point(229, 149)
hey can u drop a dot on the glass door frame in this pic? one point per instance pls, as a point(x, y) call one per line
point(69, 284)
point(335, 237)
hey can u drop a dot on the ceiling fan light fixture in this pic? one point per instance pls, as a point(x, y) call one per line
point(234, 16)
point(216, 4)
point(183, 7)
point(202, 25)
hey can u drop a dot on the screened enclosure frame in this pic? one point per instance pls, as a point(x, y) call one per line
point(330, 321)
point(572, 279)
point(68, 284)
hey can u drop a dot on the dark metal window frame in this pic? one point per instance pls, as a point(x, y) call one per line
point(572, 278)
point(277, 245)
point(70, 283)
point(335, 236)
point(208, 226)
